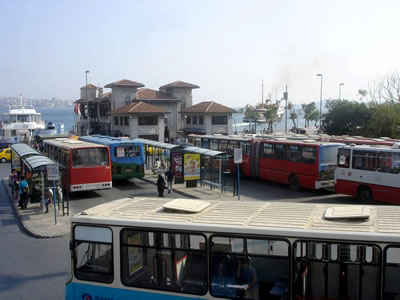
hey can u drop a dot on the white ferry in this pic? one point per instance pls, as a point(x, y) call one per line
point(20, 123)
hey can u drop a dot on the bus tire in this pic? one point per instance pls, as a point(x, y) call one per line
point(294, 183)
point(3, 160)
point(364, 194)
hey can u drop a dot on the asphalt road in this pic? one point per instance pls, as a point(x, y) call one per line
point(29, 268)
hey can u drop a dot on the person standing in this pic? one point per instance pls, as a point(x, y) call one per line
point(160, 186)
point(23, 193)
point(170, 178)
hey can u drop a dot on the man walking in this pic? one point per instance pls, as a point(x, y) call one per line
point(170, 177)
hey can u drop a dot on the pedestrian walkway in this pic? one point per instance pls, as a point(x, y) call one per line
point(37, 223)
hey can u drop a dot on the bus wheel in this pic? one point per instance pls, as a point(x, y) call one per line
point(294, 183)
point(364, 194)
point(3, 160)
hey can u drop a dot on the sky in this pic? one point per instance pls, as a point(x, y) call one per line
point(228, 48)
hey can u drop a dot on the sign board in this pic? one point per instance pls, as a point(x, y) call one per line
point(237, 156)
point(53, 172)
point(120, 151)
point(191, 166)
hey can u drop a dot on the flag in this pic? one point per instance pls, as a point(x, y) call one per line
point(77, 109)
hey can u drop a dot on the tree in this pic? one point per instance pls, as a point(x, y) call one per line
point(385, 120)
point(310, 113)
point(386, 89)
point(271, 115)
point(293, 114)
point(346, 118)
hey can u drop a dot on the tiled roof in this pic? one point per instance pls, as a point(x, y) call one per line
point(124, 82)
point(209, 107)
point(139, 107)
point(149, 94)
point(89, 86)
point(106, 95)
point(179, 84)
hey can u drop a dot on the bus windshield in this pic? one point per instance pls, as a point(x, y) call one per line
point(89, 157)
point(127, 151)
point(328, 154)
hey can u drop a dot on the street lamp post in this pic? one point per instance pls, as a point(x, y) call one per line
point(320, 104)
point(340, 88)
point(87, 99)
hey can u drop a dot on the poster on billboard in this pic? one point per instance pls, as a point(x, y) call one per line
point(191, 166)
point(176, 159)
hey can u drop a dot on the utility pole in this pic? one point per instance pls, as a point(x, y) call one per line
point(87, 99)
point(262, 93)
point(285, 97)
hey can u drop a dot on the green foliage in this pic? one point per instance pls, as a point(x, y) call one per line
point(310, 113)
point(346, 118)
point(385, 120)
point(250, 114)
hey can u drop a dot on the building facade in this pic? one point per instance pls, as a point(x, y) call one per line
point(101, 113)
point(208, 118)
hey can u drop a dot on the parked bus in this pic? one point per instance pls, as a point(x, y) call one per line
point(369, 172)
point(86, 165)
point(234, 250)
point(127, 156)
point(299, 163)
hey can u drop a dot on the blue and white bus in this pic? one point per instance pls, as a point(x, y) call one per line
point(144, 248)
point(127, 156)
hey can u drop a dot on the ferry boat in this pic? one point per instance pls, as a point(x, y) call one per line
point(20, 123)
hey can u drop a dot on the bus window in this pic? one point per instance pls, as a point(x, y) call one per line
point(268, 150)
point(293, 152)
point(164, 263)
point(364, 160)
point(242, 275)
point(90, 157)
point(308, 154)
point(127, 151)
point(343, 159)
point(389, 162)
point(93, 253)
point(337, 271)
point(391, 287)
point(279, 152)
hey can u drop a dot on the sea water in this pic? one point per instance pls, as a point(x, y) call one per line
point(58, 115)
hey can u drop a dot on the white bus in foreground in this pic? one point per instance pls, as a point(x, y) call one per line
point(369, 172)
point(144, 248)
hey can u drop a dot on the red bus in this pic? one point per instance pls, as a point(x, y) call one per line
point(300, 163)
point(86, 165)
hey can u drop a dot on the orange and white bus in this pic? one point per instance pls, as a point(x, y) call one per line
point(369, 172)
point(87, 165)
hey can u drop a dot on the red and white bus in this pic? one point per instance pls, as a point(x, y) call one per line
point(369, 172)
point(299, 163)
point(87, 165)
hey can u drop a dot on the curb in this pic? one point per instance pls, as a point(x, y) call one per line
point(187, 195)
point(22, 223)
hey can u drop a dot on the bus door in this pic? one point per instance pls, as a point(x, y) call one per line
point(254, 157)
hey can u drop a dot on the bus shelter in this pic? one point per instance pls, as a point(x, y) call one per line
point(157, 151)
point(18, 152)
point(210, 167)
point(35, 168)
